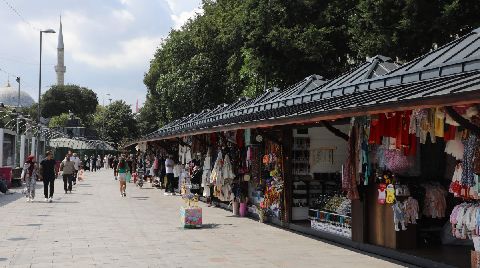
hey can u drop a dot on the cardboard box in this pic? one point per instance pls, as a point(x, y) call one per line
point(191, 217)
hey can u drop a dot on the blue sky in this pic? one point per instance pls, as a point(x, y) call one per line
point(108, 43)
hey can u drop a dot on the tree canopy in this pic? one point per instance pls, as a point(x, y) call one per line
point(59, 120)
point(62, 99)
point(239, 48)
point(115, 122)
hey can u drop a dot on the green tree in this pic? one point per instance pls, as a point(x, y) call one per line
point(147, 117)
point(59, 120)
point(241, 47)
point(62, 99)
point(406, 29)
point(116, 122)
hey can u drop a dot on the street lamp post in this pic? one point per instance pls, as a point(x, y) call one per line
point(17, 136)
point(40, 91)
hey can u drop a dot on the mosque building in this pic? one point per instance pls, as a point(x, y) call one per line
point(9, 94)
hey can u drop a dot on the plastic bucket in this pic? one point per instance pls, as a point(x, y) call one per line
point(236, 208)
point(243, 209)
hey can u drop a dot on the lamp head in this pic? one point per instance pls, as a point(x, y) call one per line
point(48, 31)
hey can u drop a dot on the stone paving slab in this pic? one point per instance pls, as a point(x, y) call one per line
point(96, 227)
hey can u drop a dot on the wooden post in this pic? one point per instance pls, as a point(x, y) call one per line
point(287, 143)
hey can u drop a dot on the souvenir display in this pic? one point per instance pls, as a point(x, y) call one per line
point(398, 216)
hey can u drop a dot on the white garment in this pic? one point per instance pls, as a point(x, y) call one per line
point(455, 147)
point(169, 166)
point(207, 172)
point(177, 169)
point(188, 155)
point(227, 169)
point(216, 176)
point(76, 162)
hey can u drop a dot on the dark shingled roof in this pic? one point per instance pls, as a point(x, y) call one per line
point(447, 71)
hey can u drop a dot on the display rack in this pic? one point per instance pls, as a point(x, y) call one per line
point(330, 222)
point(301, 176)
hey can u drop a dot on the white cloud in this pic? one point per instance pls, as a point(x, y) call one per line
point(123, 15)
point(108, 44)
point(132, 53)
point(182, 18)
point(182, 11)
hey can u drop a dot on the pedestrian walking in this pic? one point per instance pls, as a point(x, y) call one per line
point(115, 167)
point(86, 162)
point(122, 175)
point(110, 161)
point(76, 163)
point(105, 162)
point(129, 168)
point(93, 163)
point(48, 173)
point(29, 176)
point(68, 169)
point(99, 162)
point(155, 167)
point(170, 178)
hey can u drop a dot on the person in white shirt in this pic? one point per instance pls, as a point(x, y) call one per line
point(76, 164)
point(170, 178)
point(105, 162)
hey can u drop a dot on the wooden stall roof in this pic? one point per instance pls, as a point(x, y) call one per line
point(449, 75)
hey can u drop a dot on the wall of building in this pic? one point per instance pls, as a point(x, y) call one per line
point(320, 140)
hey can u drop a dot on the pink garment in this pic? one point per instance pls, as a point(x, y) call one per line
point(397, 162)
point(155, 163)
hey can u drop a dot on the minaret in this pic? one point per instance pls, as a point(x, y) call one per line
point(60, 68)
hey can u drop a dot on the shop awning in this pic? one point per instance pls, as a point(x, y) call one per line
point(78, 144)
point(449, 75)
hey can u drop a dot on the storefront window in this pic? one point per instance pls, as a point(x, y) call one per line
point(8, 149)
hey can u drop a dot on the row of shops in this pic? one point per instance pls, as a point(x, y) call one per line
point(14, 149)
point(384, 158)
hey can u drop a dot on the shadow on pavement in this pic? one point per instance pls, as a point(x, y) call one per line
point(3, 259)
point(208, 226)
point(31, 224)
point(9, 198)
point(16, 238)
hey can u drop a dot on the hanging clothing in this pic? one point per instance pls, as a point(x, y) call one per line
point(439, 122)
point(468, 156)
point(207, 171)
point(455, 146)
point(450, 133)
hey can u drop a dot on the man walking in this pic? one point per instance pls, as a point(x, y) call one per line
point(68, 169)
point(170, 178)
point(48, 175)
point(76, 164)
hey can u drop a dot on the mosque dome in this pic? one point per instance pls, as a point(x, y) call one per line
point(9, 96)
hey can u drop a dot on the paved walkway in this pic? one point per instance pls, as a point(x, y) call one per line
point(94, 226)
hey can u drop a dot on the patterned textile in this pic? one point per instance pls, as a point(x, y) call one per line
point(469, 144)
